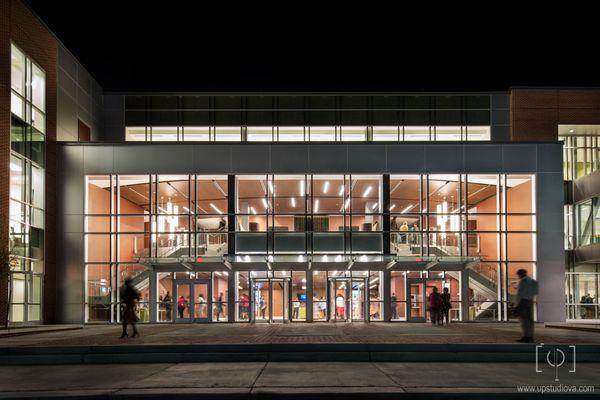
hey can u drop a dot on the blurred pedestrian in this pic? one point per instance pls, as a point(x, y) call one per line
point(129, 296)
point(526, 291)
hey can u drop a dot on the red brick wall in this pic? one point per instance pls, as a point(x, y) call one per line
point(19, 25)
point(536, 113)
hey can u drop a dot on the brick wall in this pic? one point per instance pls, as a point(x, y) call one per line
point(536, 113)
point(19, 25)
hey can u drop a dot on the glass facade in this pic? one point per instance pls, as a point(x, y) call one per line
point(307, 134)
point(132, 218)
point(581, 154)
point(581, 287)
point(27, 187)
point(307, 118)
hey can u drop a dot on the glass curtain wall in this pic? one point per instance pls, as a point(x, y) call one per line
point(128, 217)
point(581, 151)
point(582, 284)
point(486, 216)
point(27, 194)
point(298, 214)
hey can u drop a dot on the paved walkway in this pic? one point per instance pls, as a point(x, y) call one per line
point(308, 380)
point(301, 333)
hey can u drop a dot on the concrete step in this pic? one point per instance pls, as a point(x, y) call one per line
point(290, 352)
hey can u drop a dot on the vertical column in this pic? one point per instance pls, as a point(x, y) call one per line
point(309, 296)
point(231, 225)
point(231, 196)
point(387, 296)
point(153, 296)
point(231, 290)
point(385, 205)
point(464, 295)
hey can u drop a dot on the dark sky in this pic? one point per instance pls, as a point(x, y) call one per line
point(136, 46)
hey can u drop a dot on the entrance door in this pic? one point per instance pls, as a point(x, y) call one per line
point(191, 300)
point(416, 300)
point(347, 299)
point(270, 300)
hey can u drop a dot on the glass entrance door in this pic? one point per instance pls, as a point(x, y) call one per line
point(416, 300)
point(191, 300)
point(347, 299)
point(338, 299)
point(270, 300)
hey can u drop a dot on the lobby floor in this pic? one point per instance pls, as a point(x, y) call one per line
point(398, 333)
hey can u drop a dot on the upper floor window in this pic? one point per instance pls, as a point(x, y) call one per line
point(28, 90)
point(321, 133)
point(581, 153)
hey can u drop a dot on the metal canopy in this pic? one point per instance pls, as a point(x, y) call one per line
point(336, 262)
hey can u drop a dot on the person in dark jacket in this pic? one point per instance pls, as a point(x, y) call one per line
point(129, 296)
point(446, 306)
point(435, 306)
point(526, 292)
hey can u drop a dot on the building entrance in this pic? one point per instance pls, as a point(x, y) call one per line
point(270, 300)
point(192, 300)
point(417, 297)
point(347, 299)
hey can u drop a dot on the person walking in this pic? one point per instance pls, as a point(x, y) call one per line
point(394, 304)
point(219, 310)
point(446, 306)
point(526, 291)
point(181, 304)
point(435, 306)
point(129, 296)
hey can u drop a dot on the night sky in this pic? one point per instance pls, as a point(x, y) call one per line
point(135, 46)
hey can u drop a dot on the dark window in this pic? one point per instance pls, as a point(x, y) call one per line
point(385, 102)
point(164, 102)
point(354, 102)
point(417, 118)
point(290, 118)
point(448, 118)
point(259, 118)
point(259, 102)
point(135, 102)
point(477, 102)
point(164, 118)
point(290, 102)
point(478, 117)
point(228, 102)
point(448, 102)
point(417, 102)
point(135, 118)
point(322, 102)
point(196, 102)
point(196, 118)
point(83, 131)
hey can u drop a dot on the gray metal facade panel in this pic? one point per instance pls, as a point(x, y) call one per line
point(519, 158)
point(212, 159)
point(98, 159)
point(174, 159)
point(405, 158)
point(549, 158)
point(286, 159)
point(328, 158)
point(444, 158)
point(367, 158)
point(250, 159)
point(483, 158)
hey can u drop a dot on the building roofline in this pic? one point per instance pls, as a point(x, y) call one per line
point(303, 93)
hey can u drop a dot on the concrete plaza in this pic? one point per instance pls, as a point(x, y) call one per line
point(358, 333)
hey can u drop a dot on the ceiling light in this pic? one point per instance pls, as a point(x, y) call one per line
point(216, 208)
point(341, 193)
point(346, 204)
point(367, 191)
point(405, 210)
point(571, 130)
point(253, 210)
point(326, 187)
point(302, 188)
point(270, 186)
point(317, 206)
point(392, 207)
point(374, 206)
point(265, 204)
point(293, 201)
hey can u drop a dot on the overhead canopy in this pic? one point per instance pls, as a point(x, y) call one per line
point(312, 262)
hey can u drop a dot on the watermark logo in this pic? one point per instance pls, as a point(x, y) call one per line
point(556, 358)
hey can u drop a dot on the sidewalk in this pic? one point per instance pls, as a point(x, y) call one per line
point(308, 380)
point(372, 333)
